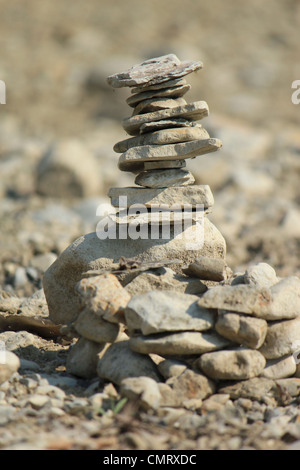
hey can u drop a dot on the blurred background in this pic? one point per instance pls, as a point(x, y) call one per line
point(61, 120)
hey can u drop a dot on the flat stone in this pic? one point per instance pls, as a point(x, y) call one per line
point(158, 215)
point(154, 71)
point(143, 390)
point(94, 328)
point(185, 343)
point(281, 301)
point(83, 358)
point(164, 178)
point(120, 362)
point(154, 126)
point(261, 275)
point(282, 338)
point(9, 363)
point(254, 389)
point(173, 196)
point(38, 401)
point(152, 105)
point(89, 252)
point(163, 137)
point(208, 269)
point(133, 160)
point(214, 402)
point(165, 311)
point(279, 368)
point(164, 165)
point(192, 111)
point(103, 296)
point(171, 368)
point(172, 92)
point(164, 279)
point(235, 364)
point(191, 385)
point(242, 329)
point(159, 86)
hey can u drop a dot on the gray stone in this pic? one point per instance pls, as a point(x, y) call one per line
point(94, 328)
point(9, 363)
point(176, 82)
point(282, 339)
point(171, 368)
point(279, 368)
point(133, 160)
point(280, 301)
point(185, 343)
point(166, 124)
point(90, 253)
point(168, 397)
point(192, 111)
point(157, 104)
point(120, 362)
point(164, 279)
point(163, 137)
point(38, 401)
point(164, 165)
point(190, 385)
point(242, 329)
point(165, 311)
point(173, 196)
point(235, 364)
point(209, 269)
point(261, 275)
point(83, 358)
point(254, 389)
point(143, 390)
point(154, 71)
point(61, 172)
point(164, 178)
point(174, 92)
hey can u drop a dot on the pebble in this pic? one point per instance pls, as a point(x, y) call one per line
point(261, 275)
point(93, 328)
point(209, 269)
point(164, 178)
point(173, 91)
point(171, 368)
point(157, 104)
point(279, 368)
point(192, 385)
point(142, 389)
point(83, 358)
point(37, 401)
point(281, 338)
point(242, 329)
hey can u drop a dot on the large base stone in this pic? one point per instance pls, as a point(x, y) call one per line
point(90, 253)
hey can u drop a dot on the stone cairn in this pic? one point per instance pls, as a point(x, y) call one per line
point(159, 340)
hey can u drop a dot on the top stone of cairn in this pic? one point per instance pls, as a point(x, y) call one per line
point(154, 71)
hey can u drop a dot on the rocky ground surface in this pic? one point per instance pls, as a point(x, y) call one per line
point(57, 94)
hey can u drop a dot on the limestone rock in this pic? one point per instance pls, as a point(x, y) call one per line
point(166, 124)
point(209, 269)
point(165, 197)
point(144, 390)
point(279, 368)
point(164, 178)
point(164, 165)
point(163, 137)
point(94, 328)
point(120, 362)
point(182, 343)
point(242, 329)
point(235, 364)
point(134, 158)
point(9, 363)
point(190, 385)
point(171, 92)
point(149, 106)
point(175, 82)
point(171, 368)
point(168, 397)
point(83, 358)
point(191, 111)
point(261, 275)
point(255, 389)
point(282, 337)
point(154, 71)
point(164, 311)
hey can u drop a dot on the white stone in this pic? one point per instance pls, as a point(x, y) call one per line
point(164, 178)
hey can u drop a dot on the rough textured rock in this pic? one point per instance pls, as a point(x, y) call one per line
point(261, 275)
point(159, 86)
point(9, 363)
point(242, 329)
point(185, 343)
point(151, 105)
point(134, 158)
point(166, 124)
point(164, 311)
point(173, 196)
point(190, 385)
point(238, 364)
point(209, 269)
point(171, 92)
point(90, 253)
point(83, 358)
point(62, 174)
point(120, 362)
point(154, 71)
point(279, 368)
point(164, 165)
point(282, 337)
point(164, 279)
point(171, 368)
point(144, 390)
point(162, 137)
point(164, 178)
point(255, 389)
point(280, 301)
point(94, 328)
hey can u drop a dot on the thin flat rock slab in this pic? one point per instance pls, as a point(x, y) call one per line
point(207, 269)
point(192, 111)
point(166, 124)
point(173, 92)
point(164, 178)
point(280, 368)
point(154, 71)
point(164, 165)
point(168, 84)
point(157, 216)
point(133, 160)
point(162, 137)
point(39, 325)
point(152, 105)
point(176, 196)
